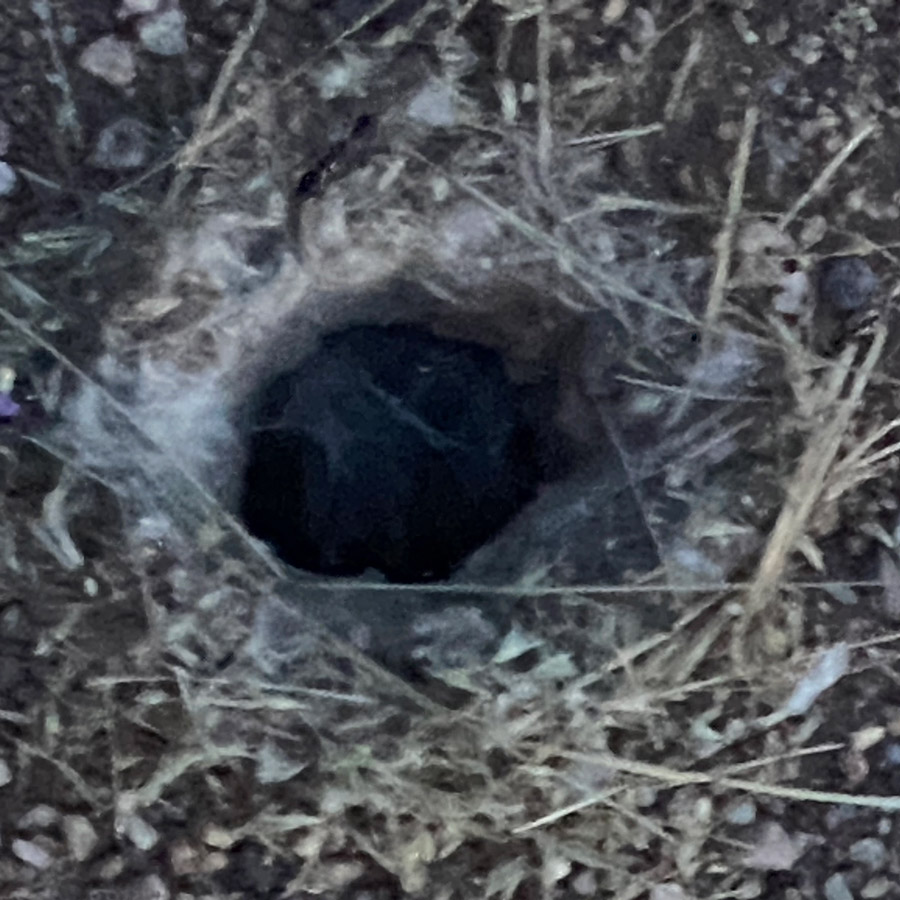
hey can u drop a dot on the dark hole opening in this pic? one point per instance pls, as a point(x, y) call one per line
point(393, 449)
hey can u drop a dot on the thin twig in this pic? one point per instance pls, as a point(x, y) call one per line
point(679, 82)
point(568, 256)
point(609, 138)
point(545, 120)
point(725, 239)
point(194, 148)
point(678, 778)
point(603, 204)
point(603, 590)
point(67, 115)
point(658, 387)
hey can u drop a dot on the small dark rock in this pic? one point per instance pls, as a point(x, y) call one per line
point(125, 144)
point(252, 871)
point(388, 449)
point(846, 283)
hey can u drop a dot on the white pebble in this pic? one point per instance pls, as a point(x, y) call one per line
point(150, 888)
point(216, 836)
point(111, 59)
point(31, 853)
point(433, 105)
point(5, 773)
point(40, 816)
point(870, 852)
point(836, 888)
point(795, 289)
point(139, 7)
point(164, 33)
point(143, 835)
point(742, 813)
point(875, 888)
point(80, 837)
point(667, 891)
point(7, 179)
point(585, 883)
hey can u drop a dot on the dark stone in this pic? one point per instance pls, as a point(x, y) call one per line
point(252, 871)
point(846, 283)
point(389, 448)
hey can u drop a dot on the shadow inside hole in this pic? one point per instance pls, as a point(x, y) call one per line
point(393, 449)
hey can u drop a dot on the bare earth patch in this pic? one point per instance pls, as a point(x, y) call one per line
point(674, 675)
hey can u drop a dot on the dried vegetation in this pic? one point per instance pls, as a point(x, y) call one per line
point(681, 167)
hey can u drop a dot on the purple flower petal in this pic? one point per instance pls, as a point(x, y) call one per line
point(8, 407)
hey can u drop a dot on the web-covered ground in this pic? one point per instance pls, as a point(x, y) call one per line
point(691, 689)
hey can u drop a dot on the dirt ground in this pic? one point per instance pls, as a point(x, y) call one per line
point(692, 689)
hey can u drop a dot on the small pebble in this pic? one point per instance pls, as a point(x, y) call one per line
point(29, 852)
point(80, 837)
point(892, 754)
point(274, 766)
point(215, 862)
point(218, 837)
point(7, 179)
point(870, 852)
point(39, 817)
point(5, 773)
point(9, 409)
point(164, 33)
point(836, 888)
point(111, 59)
point(122, 145)
point(743, 813)
point(139, 7)
point(151, 887)
point(183, 858)
point(667, 891)
point(433, 105)
point(875, 888)
point(112, 868)
point(791, 299)
point(143, 835)
point(585, 884)
point(846, 283)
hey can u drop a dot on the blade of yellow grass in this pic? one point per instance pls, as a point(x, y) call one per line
point(675, 778)
point(806, 487)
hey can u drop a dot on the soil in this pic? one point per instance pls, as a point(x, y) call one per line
point(174, 722)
